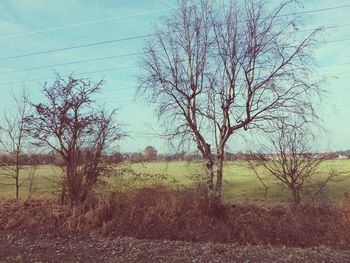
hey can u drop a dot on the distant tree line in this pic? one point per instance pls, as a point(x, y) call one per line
point(137, 157)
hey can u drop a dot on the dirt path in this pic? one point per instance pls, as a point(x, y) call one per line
point(18, 246)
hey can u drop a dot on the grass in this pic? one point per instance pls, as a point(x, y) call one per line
point(239, 182)
point(45, 182)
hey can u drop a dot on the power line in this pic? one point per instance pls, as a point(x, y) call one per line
point(332, 78)
point(333, 41)
point(140, 14)
point(315, 10)
point(111, 99)
point(323, 27)
point(69, 63)
point(106, 42)
point(334, 65)
point(105, 58)
point(112, 69)
point(76, 47)
point(119, 56)
point(337, 73)
point(131, 66)
point(83, 23)
point(82, 73)
point(339, 78)
point(147, 35)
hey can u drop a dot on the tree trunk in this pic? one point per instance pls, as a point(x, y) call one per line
point(63, 194)
point(210, 182)
point(74, 182)
point(17, 186)
point(17, 176)
point(219, 172)
point(296, 196)
point(209, 163)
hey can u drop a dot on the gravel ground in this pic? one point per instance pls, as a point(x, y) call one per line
point(17, 246)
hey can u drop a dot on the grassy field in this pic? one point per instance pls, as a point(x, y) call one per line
point(239, 182)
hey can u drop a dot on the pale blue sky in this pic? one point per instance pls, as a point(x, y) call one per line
point(20, 18)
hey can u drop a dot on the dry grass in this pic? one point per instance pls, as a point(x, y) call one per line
point(160, 213)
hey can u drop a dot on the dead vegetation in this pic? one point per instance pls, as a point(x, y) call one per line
point(159, 213)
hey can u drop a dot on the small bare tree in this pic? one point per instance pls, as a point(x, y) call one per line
point(214, 70)
point(288, 157)
point(70, 124)
point(12, 140)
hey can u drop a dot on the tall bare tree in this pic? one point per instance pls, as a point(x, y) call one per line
point(213, 70)
point(70, 124)
point(12, 140)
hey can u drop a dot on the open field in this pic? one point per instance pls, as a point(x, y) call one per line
point(239, 182)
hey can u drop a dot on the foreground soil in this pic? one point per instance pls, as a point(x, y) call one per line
point(22, 246)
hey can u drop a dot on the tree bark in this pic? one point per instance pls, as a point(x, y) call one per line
point(210, 181)
point(219, 172)
point(17, 174)
point(63, 194)
point(17, 186)
point(296, 196)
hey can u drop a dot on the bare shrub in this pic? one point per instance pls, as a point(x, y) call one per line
point(70, 124)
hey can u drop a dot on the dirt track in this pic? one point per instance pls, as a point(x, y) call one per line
point(16, 246)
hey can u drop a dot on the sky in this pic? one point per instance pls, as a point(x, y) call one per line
point(32, 26)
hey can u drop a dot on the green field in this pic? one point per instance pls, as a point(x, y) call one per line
point(239, 182)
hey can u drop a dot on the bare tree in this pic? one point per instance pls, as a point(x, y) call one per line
point(70, 124)
point(214, 70)
point(12, 136)
point(288, 157)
